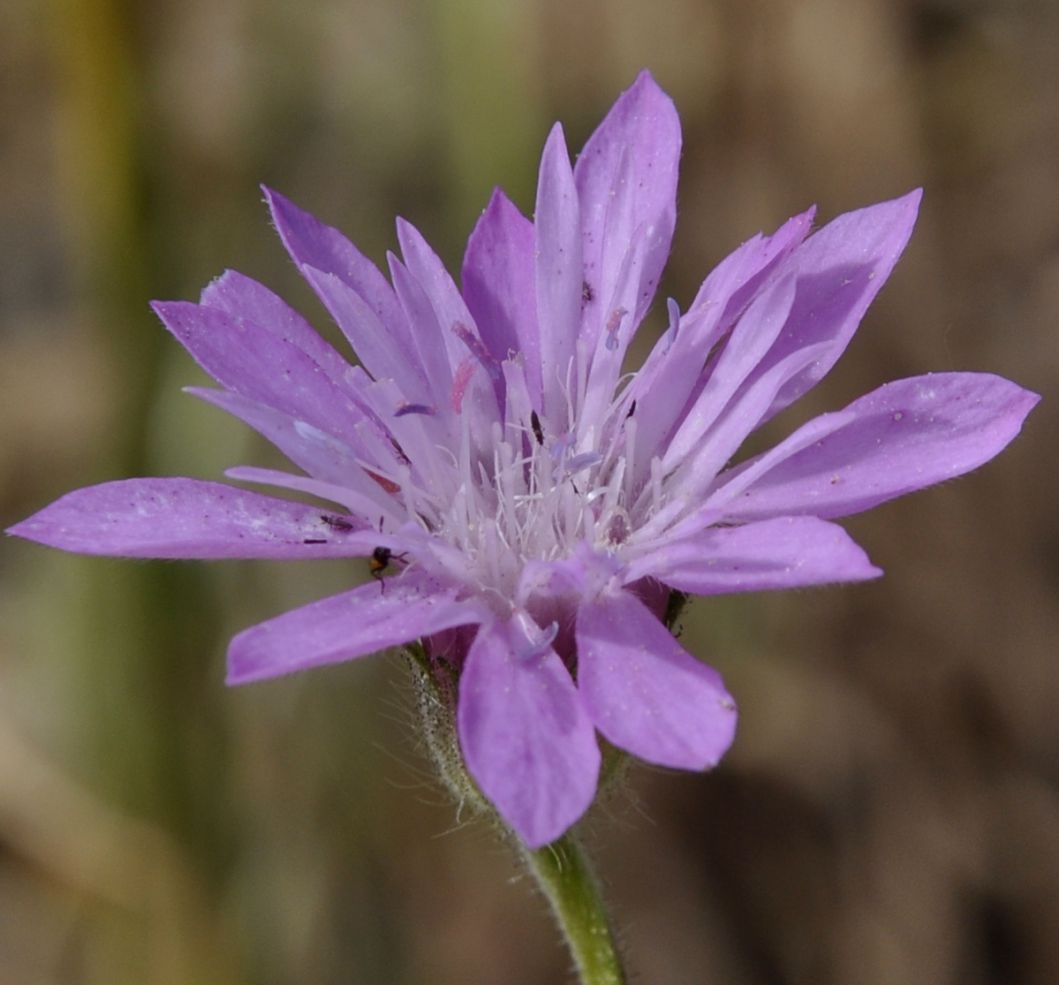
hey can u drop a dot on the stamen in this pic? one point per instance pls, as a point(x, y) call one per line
point(507, 474)
point(542, 644)
point(578, 463)
point(629, 461)
point(613, 488)
point(674, 321)
point(656, 484)
point(404, 409)
point(478, 350)
point(408, 492)
point(535, 425)
point(583, 359)
point(461, 380)
point(613, 324)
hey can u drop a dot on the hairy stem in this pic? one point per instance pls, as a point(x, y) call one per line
point(563, 872)
point(561, 869)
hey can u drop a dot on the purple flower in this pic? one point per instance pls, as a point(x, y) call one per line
point(526, 507)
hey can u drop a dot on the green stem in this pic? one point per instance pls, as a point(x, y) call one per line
point(563, 872)
point(561, 869)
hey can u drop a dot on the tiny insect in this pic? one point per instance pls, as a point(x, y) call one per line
point(632, 410)
point(586, 292)
point(538, 431)
point(379, 561)
point(336, 522)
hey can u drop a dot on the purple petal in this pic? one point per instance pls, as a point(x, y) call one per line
point(321, 455)
point(368, 509)
point(186, 518)
point(525, 735)
point(260, 365)
point(643, 130)
point(427, 336)
point(380, 351)
point(243, 298)
point(698, 472)
point(839, 270)
point(311, 243)
point(499, 286)
point(430, 274)
point(354, 624)
point(737, 278)
point(787, 552)
point(458, 332)
point(645, 692)
point(750, 340)
point(418, 436)
point(906, 435)
point(558, 272)
point(676, 362)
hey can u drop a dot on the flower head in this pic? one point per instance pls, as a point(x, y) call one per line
point(526, 507)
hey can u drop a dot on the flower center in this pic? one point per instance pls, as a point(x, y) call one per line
point(541, 495)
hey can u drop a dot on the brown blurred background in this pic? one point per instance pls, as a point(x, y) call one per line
point(890, 812)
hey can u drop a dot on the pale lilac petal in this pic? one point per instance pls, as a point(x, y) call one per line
point(260, 365)
point(318, 453)
point(840, 270)
point(352, 288)
point(525, 736)
point(906, 435)
point(626, 179)
point(558, 272)
point(611, 336)
point(751, 338)
point(645, 692)
point(186, 518)
point(499, 286)
point(458, 331)
point(445, 299)
point(664, 384)
point(244, 299)
point(383, 354)
point(426, 335)
point(698, 472)
point(380, 614)
point(740, 275)
point(417, 435)
point(361, 461)
point(311, 243)
point(369, 510)
point(786, 552)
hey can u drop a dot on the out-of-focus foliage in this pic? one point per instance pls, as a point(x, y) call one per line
point(890, 812)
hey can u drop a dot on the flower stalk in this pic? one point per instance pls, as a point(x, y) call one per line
point(562, 869)
point(563, 872)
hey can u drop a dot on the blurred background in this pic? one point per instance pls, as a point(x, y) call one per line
point(890, 811)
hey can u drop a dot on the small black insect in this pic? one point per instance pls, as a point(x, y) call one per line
point(538, 431)
point(586, 292)
point(336, 522)
point(632, 410)
point(379, 561)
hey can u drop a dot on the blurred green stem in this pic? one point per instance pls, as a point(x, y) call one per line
point(562, 869)
point(563, 872)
